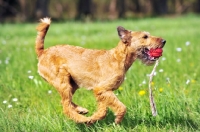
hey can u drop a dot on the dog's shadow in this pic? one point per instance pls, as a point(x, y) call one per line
point(129, 122)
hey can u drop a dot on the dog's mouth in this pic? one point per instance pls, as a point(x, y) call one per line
point(149, 56)
point(152, 54)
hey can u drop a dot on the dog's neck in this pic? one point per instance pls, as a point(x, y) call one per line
point(123, 55)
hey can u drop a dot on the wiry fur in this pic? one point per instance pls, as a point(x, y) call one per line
point(69, 67)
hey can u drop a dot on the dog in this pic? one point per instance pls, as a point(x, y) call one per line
point(69, 67)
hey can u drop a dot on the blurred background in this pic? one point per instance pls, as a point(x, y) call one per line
point(90, 10)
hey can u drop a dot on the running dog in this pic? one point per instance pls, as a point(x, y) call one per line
point(69, 67)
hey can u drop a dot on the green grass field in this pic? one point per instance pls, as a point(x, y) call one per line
point(29, 104)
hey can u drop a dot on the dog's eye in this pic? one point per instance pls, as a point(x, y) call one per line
point(145, 36)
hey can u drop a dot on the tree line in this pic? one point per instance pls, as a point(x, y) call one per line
point(29, 10)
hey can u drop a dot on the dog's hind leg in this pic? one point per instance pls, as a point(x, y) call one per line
point(77, 108)
point(62, 84)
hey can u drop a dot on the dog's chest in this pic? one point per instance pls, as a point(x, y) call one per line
point(119, 80)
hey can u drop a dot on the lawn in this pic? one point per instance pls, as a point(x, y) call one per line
point(28, 103)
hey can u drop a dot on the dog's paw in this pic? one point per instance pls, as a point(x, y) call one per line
point(81, 110)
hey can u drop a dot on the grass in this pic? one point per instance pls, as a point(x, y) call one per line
point(27, 103)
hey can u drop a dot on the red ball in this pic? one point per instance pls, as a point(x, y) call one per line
point(155, 52)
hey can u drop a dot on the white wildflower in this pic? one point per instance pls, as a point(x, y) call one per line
point(161, 70)
point(4, 102)
point(49, 92)
point(178, 60)
point(168, 79)
point(30, 77)
point(178, 49)
point(155, 73)
point(188, 81)
point(3, 41)
point(35, 81)
point(15, 99)
point(163, 58)
point(187, 43)
point(9, 106)
point(29, 71)
point(25, 42)
point(144, 82)
point(82, 42)
point(6, 61)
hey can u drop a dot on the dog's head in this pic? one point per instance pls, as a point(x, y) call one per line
point(147, 48)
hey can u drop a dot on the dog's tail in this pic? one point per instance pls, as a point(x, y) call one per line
point(42, 29)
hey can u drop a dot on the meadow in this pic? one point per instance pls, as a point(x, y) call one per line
point(29, 104)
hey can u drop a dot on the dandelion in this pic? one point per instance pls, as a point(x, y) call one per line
point(120, 88)
point(161, 70)
point(186, 91)
point(30, 77)
point(193, 81)
point(9, 106)
point(178, 49)
point(142, 92)
point(192, 64)
point(49, 92)
point(4, 102)
point(188, 81)
point(14, 99)
point(187, 43)
point(161, 90)
point(152, 83)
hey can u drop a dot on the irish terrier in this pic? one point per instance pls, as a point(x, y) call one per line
point(69, 67)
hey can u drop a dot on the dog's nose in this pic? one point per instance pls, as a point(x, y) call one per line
point(163, 41)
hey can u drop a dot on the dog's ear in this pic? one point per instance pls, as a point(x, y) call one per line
point(124, 35)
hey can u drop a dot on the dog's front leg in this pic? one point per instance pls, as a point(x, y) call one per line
point(101, 108)
point(108, 99)
point(117, 106)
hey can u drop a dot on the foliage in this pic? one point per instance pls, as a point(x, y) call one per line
point(27, 103)
point(22, 10)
